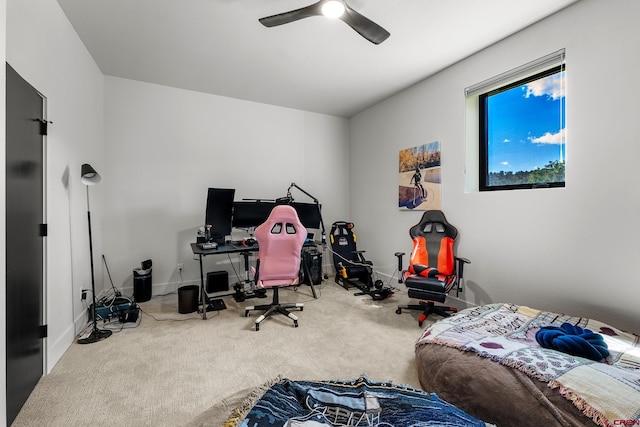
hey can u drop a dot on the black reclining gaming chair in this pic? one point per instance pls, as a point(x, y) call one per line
point(434, 270)
point(352, 269)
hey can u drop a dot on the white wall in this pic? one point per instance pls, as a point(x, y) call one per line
point(157, 149)
point(572, 250)
point(164, 147)
point(45, 50)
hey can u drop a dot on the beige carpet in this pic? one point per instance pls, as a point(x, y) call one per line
point(177, 369)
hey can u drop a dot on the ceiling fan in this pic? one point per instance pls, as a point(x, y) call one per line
point(332, 9)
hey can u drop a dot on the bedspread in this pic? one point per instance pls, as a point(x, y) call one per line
point(608, 391)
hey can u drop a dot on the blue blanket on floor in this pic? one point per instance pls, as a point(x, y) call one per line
point(354, 403)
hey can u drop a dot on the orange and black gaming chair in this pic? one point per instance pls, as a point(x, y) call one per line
point(434, 270)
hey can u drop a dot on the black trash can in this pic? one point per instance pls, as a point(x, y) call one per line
point(142, 284)
point(188, 299)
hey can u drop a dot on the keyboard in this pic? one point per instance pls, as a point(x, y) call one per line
point(211, 245)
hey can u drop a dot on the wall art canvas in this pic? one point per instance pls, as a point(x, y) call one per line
point(419, 183)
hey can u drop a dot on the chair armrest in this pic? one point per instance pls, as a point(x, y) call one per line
point(361, 259)
point(399, 255)
point(460, 272)
point(460, 267)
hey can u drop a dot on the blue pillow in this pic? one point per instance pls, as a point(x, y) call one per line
point(573, 340)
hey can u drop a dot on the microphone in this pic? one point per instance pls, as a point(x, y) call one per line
point(286, 200)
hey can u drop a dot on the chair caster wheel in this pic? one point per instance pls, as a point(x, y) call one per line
point(257, 326)
point(295, 324)
point(301, 308)
point(246, 313)
point(421, 319)
point(399, 311)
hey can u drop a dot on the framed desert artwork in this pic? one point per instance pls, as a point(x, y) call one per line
point(419, 183)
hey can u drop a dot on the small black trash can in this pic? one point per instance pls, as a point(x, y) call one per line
point(142, 284)
point(188, 299)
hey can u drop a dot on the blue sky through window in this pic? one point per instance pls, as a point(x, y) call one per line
point(526, 125)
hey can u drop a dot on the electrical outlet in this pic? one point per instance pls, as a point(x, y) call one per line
point(180, 267)
point(83, 294)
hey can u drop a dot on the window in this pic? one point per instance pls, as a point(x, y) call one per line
point(521, 127)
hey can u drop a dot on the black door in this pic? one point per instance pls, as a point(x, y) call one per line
point(24, 192)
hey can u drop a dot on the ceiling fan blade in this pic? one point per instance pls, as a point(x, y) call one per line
point(293, 15)
point(364, 26)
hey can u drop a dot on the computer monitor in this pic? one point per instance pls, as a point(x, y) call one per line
point(248, 214)
point(219, 212)
point(309, 214)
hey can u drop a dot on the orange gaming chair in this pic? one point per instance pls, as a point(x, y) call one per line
point(434, 270)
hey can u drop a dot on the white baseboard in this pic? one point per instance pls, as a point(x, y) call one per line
point(172, 287)
point(56, 349)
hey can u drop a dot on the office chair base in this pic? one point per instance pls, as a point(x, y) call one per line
point(427, 308)
point(270, 310)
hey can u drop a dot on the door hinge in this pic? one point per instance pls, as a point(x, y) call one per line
point(44, 331)
point(44, 229)
point(44, 126)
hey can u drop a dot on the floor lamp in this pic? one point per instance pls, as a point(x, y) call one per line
point(89, 176)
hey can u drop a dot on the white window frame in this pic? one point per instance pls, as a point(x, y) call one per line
point(472, 109)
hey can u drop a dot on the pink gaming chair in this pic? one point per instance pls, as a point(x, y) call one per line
point(280, 239)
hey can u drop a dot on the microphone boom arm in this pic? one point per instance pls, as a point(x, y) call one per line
point(317, 203)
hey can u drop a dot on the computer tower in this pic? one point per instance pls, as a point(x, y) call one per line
point(312, 266)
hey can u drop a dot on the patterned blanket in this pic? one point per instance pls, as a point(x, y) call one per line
point(352, 403)
point(607, 391)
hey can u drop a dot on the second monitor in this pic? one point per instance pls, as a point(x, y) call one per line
point(247, 214)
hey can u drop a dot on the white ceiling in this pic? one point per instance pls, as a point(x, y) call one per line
point(314, 64)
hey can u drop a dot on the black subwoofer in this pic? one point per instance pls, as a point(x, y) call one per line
point(217, 281)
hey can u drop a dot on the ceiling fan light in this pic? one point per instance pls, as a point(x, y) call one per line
point(333, 9)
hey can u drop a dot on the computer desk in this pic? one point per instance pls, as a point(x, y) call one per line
point(232, 249)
